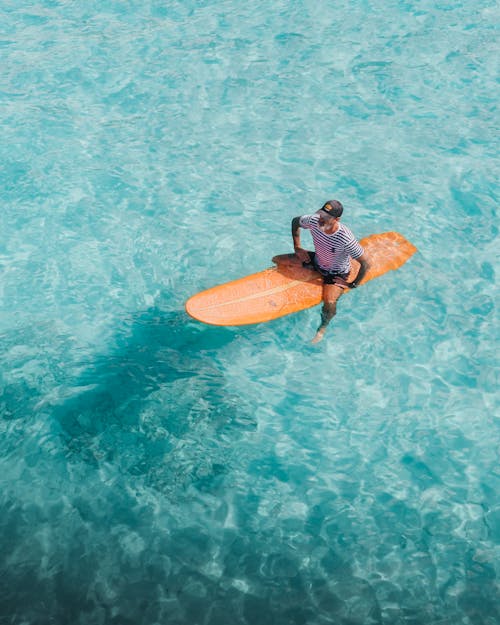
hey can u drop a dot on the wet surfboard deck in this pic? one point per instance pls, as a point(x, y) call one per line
point(283, 290)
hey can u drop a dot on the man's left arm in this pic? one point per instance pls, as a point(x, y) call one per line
point(363, 268)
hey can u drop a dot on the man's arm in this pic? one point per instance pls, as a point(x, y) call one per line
point(363, 268)
point(301, 254)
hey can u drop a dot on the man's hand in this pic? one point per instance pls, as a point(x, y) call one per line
point(302, 255)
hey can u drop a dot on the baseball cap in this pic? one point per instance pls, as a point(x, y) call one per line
point(333, 208)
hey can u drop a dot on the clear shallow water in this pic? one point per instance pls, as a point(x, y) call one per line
point(154, 470)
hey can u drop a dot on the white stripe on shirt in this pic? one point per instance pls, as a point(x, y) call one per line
point(333, 251)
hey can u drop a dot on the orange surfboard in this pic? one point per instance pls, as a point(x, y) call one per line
point(279, 291)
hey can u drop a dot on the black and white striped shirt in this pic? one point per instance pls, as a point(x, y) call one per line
point(332, 250)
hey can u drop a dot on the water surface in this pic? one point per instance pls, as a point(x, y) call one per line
point(155, 470)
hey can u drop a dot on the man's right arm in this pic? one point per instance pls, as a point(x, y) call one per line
point(301, 254)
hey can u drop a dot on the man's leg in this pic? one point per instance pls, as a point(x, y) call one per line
point(331, 294)
point(287, 260)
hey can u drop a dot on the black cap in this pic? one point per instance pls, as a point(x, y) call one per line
point(333, 208)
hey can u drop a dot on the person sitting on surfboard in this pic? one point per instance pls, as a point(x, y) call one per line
point(334, 246)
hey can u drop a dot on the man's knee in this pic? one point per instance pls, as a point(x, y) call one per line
point(286, 260)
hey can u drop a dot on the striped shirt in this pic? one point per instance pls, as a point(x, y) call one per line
point(333, 251)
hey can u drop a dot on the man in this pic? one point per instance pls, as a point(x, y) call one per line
point(334, 246)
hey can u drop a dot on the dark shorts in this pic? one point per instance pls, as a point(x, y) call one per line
point(328, 277)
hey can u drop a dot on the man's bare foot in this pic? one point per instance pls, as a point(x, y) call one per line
point(319, 335)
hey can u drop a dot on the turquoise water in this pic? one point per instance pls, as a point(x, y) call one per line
point(154, 470)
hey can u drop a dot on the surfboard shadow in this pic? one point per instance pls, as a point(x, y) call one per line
point(158, 385)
